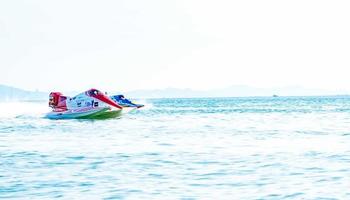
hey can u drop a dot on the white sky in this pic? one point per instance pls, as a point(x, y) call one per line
point(138, 44)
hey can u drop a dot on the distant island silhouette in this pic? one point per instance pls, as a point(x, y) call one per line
point(8, 92)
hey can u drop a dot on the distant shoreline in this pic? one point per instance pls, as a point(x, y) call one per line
point(8, 93)
point(8, 100)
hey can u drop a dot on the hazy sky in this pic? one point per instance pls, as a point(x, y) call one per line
point(138, 44)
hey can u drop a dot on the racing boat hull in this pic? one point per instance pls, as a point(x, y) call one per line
point(91, 113)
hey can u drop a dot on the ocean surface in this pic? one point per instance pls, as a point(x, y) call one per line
point(226, 148)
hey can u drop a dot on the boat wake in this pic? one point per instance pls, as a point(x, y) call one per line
point(22, 109)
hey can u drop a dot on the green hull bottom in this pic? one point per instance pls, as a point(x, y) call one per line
point(99, 113)
point(102, 115)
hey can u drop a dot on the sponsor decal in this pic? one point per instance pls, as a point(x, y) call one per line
point(83, 110)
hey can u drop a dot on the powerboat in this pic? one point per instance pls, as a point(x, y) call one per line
point(91, 104)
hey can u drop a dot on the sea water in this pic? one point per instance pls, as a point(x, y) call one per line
point(225, 148)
